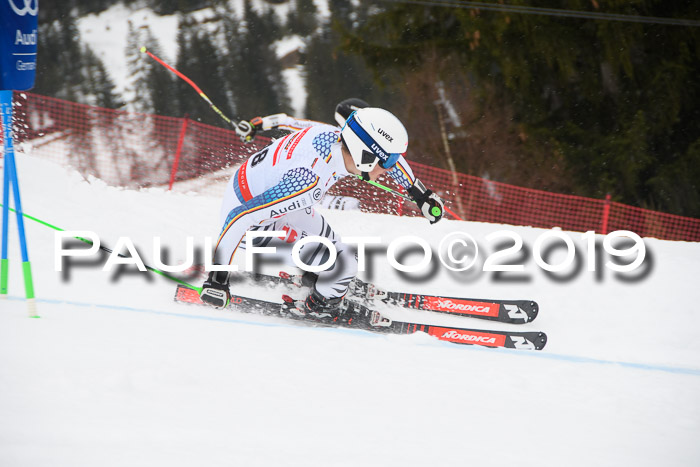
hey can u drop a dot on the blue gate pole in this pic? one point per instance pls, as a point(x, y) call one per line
point(10, 163)
point(18, 48)
point(4, 262)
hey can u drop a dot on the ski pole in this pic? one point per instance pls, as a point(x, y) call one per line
point(191, 83)
point(453, 214)
point(110, 251)
point(436, 211)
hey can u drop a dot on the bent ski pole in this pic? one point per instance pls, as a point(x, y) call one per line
point(386, 188)
point(191, 83)
point(408, 198)
point(110, 251)
point(453, 214)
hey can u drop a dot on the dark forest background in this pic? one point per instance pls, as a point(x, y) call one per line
point(571, 105)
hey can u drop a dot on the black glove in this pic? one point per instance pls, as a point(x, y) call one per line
point(246, 130)
point(215, 290)
point(430, 204)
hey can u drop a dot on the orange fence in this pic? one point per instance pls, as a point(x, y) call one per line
point(139, 150)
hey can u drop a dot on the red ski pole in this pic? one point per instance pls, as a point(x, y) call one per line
point(191, 83)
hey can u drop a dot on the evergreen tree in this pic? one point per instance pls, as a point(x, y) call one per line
point(231, 59)
point(64, 77)
point(160, 81)
point(271, 25)
point(333, 74)
point(68, 70)
point(139, 96)
point(59, 75)
point(151, 86)
point(169, 7)
point(256, 75)
point(85, 7)
point(97, 86)
point(199, 59)
point(302, 17)
point(53, 11)
point(615, 103)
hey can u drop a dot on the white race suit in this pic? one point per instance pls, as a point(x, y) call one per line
point(277, 188)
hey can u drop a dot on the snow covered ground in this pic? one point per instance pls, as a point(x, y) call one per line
point(115, 373)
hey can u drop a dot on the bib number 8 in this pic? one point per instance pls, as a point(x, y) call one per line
point(258, 158)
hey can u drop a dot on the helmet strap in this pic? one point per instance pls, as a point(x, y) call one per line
point(365, 176)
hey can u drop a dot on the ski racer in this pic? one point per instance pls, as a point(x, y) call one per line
point(276, 190)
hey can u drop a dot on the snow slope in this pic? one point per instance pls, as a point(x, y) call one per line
point(114, 373)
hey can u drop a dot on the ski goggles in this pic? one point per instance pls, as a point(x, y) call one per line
point(386, 160)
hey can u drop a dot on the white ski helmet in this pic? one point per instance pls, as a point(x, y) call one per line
point(374, 136)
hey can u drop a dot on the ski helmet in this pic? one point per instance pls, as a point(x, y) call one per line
point(345, 108)
point(374, 136)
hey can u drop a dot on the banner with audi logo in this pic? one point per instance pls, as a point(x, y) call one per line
point(18, 41)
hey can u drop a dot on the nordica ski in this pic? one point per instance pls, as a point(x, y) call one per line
point(505, 311)
point(359, 316)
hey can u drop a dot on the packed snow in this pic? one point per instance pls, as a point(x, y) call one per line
point(114, 372)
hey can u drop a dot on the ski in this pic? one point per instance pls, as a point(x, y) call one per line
point(360, 316)
point(505, 311)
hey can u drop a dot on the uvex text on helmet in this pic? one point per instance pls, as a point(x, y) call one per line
point(374, 136)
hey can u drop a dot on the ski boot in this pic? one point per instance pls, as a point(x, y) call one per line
point(334, 311)
point(323, 309)
point(316, 307)
point(215, 290)
point(308, 279)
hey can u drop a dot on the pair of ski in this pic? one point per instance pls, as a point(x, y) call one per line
point(361, 312)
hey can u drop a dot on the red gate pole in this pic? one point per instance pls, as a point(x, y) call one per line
point(606, 215)
point(178, 151)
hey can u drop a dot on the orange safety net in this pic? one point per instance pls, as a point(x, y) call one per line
point(141, 150)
